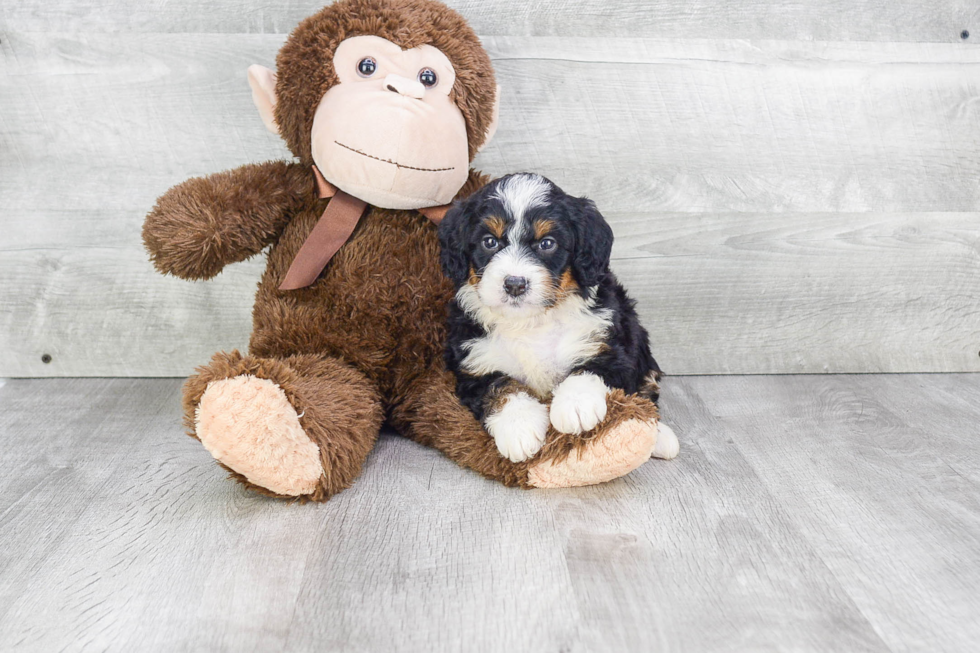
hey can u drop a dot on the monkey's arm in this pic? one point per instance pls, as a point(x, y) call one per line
point(200, 226)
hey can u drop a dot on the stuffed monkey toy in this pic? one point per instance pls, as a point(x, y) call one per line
point(384, 104)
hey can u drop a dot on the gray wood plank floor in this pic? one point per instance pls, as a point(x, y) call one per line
point(804, 513)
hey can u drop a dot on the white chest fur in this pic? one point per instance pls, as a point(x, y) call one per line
point(542, 350)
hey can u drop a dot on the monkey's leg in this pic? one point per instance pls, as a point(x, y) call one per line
point(297, 427)
point(432, 415)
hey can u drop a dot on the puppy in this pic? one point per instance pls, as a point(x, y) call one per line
point(538, 315)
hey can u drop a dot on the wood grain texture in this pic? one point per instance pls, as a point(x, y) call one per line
point(781, 206)
point(725, 126)
point(828, 292)
point(666, 125)
point(832, 20)
point(804, 513)
point(720, 293)
point(848, 456)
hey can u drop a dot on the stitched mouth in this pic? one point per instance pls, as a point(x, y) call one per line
point(394, 163)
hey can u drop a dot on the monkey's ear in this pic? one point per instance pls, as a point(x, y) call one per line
point(263, 83)
point(492, 129)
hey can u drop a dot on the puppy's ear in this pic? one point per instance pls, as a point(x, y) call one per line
point(593, 242)
point(453, 237)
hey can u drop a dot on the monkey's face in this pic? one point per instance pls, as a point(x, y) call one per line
point(393, 115)
point(388, 131)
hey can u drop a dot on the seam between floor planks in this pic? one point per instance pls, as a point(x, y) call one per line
point(809, 512)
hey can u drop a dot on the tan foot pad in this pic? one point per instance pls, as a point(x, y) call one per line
point(623, 449)
point(248, 424)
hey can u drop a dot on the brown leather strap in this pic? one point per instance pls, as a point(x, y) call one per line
point(331, 231)
point(324, 188)
point(435, 213)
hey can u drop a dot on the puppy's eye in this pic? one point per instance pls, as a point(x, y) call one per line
point(547, 244)
point(428, 77)
point(490, 243)
point(367, 66)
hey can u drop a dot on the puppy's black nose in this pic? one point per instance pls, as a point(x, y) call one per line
point(515, 286)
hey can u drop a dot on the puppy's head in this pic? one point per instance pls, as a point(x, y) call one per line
point(520, 245)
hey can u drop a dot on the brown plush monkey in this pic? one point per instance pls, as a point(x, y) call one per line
point(383, 102)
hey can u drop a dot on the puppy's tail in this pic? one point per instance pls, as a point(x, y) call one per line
point(667, 446)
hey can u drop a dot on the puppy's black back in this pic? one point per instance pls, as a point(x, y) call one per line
point(627, 362)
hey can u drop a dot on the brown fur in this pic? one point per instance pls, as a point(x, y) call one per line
point(337, 403)
point(305, 62)
point(567, 286)
point(496, 398)
point(621, 408)
point(205, 223)
point(496, 226)
point(651, 387)
point(365, 341)
point(542, 228)
point(558, 292)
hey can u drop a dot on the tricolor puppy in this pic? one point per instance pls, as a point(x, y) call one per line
point(538, 317)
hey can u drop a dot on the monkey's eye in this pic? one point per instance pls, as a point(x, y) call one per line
point(490, 243)
point(428, 77)
point(547, 244)
point(366, 67)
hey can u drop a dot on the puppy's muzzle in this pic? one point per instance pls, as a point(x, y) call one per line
point(515, 286)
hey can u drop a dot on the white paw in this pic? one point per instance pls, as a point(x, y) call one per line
point(667, 446)
point(519, 427)
point(579, 403)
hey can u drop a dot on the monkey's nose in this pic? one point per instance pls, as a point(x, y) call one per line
point(404, 86)
point(515, 286)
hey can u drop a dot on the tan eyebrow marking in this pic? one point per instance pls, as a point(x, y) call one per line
point(496, 225)
point(542, 228)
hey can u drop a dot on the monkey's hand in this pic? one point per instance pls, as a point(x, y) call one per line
point(200, 226)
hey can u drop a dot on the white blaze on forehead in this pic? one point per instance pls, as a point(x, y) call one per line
point(521, 193)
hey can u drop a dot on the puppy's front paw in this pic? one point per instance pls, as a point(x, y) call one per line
point(579, 403)
point(519, 427)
